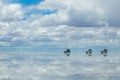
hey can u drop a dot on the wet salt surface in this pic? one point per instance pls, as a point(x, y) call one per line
point(58, 67)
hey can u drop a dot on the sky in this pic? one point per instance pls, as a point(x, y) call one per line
point(60, 23)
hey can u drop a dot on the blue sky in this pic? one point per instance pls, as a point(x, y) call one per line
point(67, 24)
point(26, 2)
point(29, 2)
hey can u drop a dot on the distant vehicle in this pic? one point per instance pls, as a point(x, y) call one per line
point(67, 52)
point(89, 52)
point(104, 52)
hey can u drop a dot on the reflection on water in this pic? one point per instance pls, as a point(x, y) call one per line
point(56, 66)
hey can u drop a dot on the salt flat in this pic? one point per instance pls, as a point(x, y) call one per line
point(51, 66)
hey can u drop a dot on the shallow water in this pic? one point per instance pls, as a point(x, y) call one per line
point(53, 66)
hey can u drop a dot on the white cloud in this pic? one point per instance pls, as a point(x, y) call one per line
point(83, 12)
point(4, 25)
point(70, 25)
point(3, 43)
point(75, 13)
point(10, 12)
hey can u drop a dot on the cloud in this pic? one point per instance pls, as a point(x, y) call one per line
point(80, 13)
point(75, 13)
point(3, 43)
point(83, 12)
point(11, 12)
point(66, 23)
